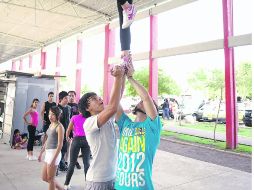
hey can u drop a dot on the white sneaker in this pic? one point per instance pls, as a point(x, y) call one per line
point(67, 187)
point(27, 156)
point(32, 158)
point(128, 16)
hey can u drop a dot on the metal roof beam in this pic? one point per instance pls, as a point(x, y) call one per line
point(89, 8)
point(38, 9)
point(19, 37)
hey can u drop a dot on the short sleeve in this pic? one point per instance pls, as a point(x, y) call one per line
point(155, 124)
point(123, 121)
point(91, 124)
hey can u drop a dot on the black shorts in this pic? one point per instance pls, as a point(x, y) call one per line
point(45, 128)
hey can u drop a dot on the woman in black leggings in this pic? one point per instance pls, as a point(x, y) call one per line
point(79, 142)
point(127, 12)
point(31, 127)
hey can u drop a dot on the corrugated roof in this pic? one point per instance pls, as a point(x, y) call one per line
point(27, 25)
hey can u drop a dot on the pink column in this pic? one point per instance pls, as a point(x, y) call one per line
point(109, 52)
point(153, 65)
point(30, 61)
point(43, 59)
point(78, 68)
point(231, 111)
point(13, 65)
point(20, 64)
point(57, 73)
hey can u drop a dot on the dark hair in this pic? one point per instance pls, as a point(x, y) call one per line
point(72, 91)
point(136, 109)
point(16, 131)
point(13, 137)
point(56, 111)
point(83, 104)
point(34, 100)
point(50, 93)
point(62, 94)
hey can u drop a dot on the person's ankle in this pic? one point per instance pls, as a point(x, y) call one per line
point(126, 5)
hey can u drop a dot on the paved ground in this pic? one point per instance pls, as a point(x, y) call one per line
point(204, 133)
point(171, 171)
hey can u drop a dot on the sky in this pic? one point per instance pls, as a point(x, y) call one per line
point(192, 23)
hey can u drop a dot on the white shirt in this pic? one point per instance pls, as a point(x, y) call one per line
point(102, 142)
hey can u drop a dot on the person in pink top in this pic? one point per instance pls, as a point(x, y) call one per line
point(31, 127)
point(79, 142)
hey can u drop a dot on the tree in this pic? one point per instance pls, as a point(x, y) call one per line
point(212, 83)
point(209, 82)
point(85, 89)
point(244, 80)
point(166, 84)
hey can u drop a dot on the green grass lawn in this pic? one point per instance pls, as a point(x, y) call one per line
point(209, 126)
point(218, 144)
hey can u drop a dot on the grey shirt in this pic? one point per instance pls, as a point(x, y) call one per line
point(102, 142)
point(52, 140)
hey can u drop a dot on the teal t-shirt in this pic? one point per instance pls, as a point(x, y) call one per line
point(138, 144)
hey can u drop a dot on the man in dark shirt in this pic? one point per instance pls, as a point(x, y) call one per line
point(45, 113)
point(72, 103)
point(74, 111)
point(65, 120)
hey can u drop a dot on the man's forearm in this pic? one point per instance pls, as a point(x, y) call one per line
point(116, 93)
point(142, 92)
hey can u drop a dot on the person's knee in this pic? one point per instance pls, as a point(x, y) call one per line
point(44, 178)
point(50, 179)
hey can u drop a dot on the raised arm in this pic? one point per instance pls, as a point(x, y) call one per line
point(26, 114)
point(149, 106)
point(111, 108)
point(120, 108)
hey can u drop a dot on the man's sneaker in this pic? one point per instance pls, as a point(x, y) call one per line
point(32, 158)
point(128, 16)
point(67, 187)
point(78, 166)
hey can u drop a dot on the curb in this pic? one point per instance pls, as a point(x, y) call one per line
point(200, 146)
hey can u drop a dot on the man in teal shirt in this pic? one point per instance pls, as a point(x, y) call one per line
point(139, 141)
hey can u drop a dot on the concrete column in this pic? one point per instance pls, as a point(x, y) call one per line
point(153, 65)
point(57, 72)
point(20, 64)
point(13, 65)
point(109, 52)
point(43, 59)
point(230, 88)
point(30, 61)
point(78, 68)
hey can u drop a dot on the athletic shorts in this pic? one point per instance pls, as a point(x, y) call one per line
point(108, 185)
point(49, 156)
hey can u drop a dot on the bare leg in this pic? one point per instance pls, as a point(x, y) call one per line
point(51, 172)
point(126, 5)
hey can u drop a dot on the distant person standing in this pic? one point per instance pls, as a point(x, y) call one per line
point(45, 113)
point(31, 127)
point(165, 108)
point(74, 111)
point(64, 119)
point(72, 103)
point(175, 110)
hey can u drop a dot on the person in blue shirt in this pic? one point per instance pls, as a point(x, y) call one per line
point(139, 140)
